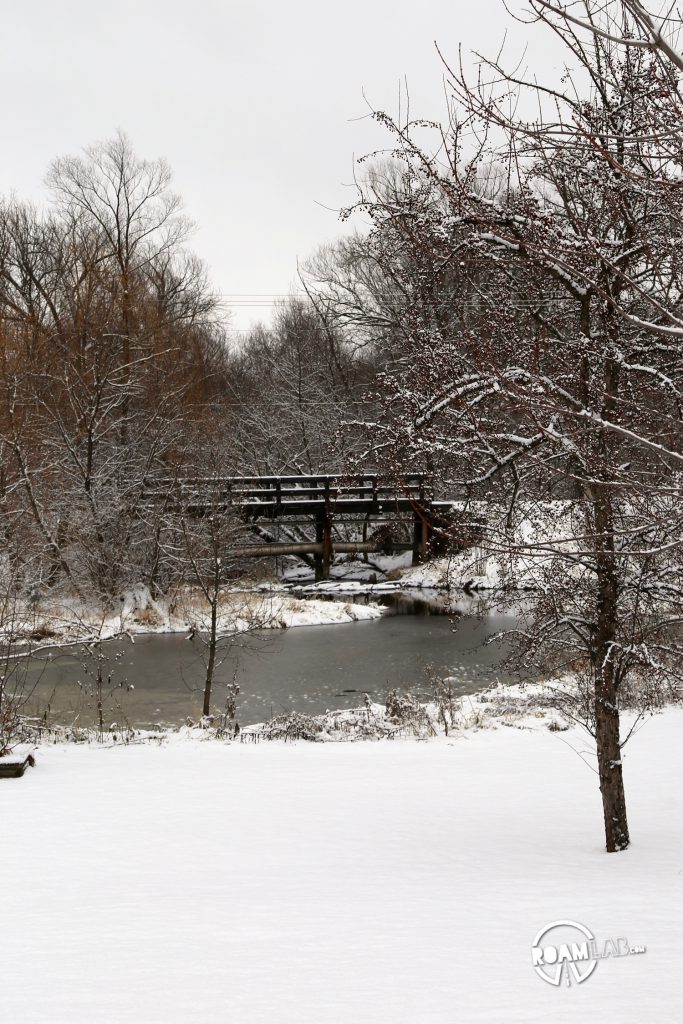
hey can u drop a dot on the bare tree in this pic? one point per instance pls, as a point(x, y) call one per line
point(109, 334)
point(127, 203)
point(555, 372)
point(201, 529)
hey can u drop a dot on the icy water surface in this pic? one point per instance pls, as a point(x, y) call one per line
point(310, 668)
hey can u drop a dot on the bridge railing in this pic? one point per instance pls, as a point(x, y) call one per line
point(280, 490)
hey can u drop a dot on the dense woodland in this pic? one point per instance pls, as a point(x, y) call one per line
point(118, 369)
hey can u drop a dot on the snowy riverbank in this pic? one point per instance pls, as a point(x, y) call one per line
point(293, 600)
point(137, 612)
point(446, 713)
point(288, 883)
point(275, 605)
point(468, 570)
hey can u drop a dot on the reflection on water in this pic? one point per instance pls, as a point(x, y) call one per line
point(157, 679)
point(397, 602)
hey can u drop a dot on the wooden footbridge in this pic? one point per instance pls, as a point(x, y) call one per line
point(318, 500)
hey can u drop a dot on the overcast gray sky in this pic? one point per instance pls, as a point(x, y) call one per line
point(258, 107)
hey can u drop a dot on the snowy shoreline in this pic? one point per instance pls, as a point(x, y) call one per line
point(286, 603)
point(240, 611)
point(529, 707)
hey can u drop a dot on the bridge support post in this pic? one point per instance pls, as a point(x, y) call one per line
point(323, 536)
point(421, 537)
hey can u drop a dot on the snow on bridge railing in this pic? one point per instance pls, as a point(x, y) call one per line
point(280, 489)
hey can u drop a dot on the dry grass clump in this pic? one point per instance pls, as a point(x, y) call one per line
point(147, 617)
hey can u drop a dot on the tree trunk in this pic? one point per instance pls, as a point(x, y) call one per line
point(605, 682)
point(610, 768)
point(208, 681)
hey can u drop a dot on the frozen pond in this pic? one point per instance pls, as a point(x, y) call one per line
point(310, 669)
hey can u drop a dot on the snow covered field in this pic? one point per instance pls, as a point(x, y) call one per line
point(343, 883)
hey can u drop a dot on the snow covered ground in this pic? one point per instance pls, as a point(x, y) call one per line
point(337, 883)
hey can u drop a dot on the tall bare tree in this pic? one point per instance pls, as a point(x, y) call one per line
point(109, 334)
point(554, 371)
